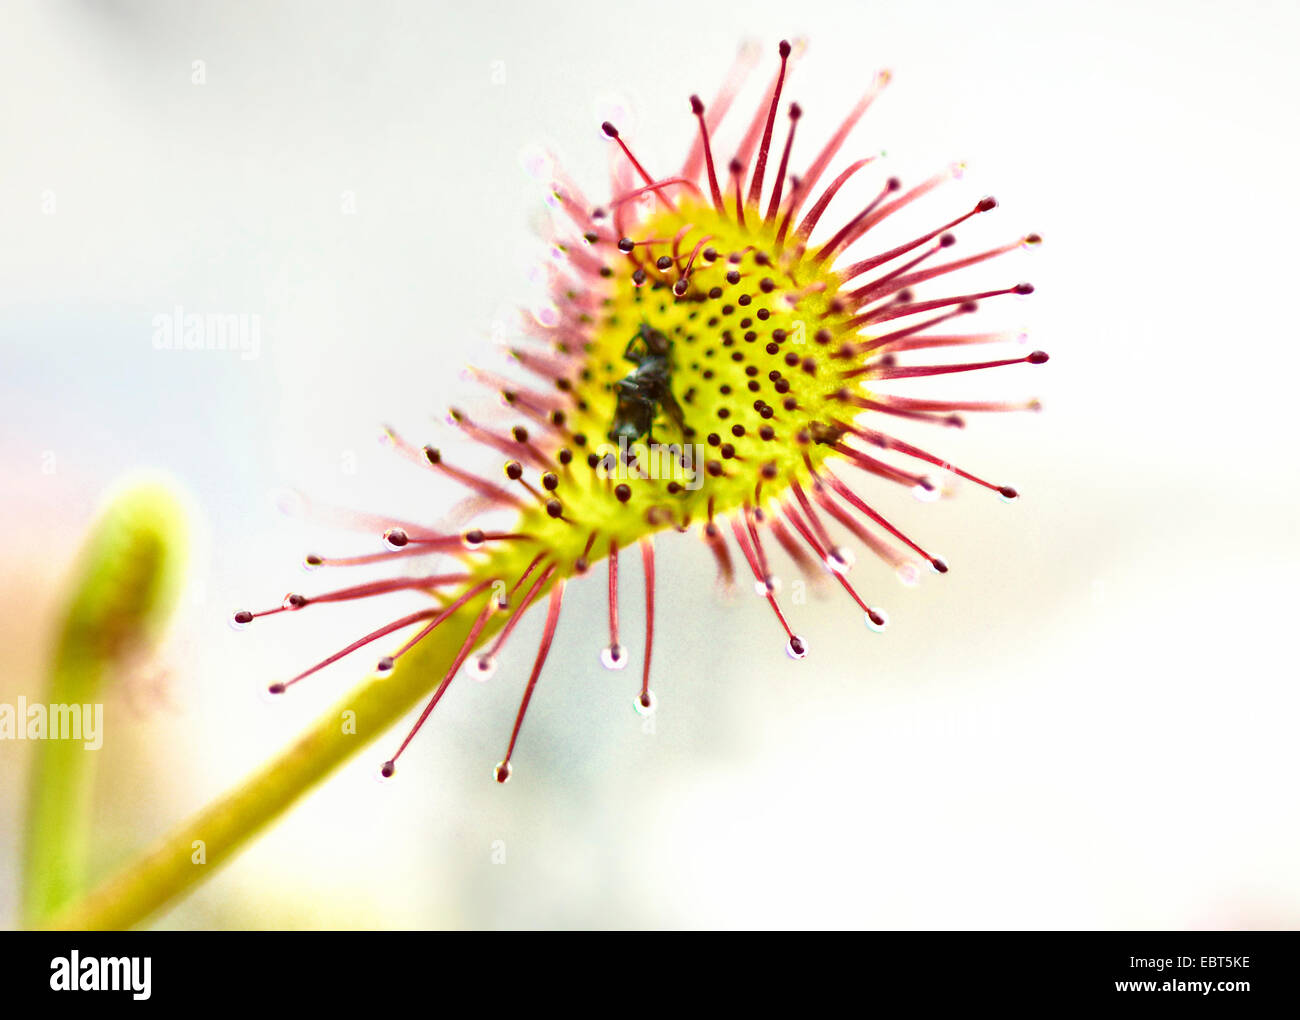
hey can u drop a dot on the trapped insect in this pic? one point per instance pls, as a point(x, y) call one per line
point(646, 388)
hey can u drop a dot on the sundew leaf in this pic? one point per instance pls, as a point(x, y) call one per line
point(124, 588)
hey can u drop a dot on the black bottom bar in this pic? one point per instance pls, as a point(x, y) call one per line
point(140, 970)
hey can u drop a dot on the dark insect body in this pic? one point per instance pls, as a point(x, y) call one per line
point(647, 389)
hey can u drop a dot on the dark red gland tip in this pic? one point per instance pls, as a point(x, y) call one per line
point(388, 770)
point(610, 130)
point(1037, 358)
point(243, 616)
point(276, 688)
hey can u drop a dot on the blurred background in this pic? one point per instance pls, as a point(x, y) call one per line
point(1089, 723)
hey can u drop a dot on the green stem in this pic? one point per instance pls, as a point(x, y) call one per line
point(125, 589)
point(192, 851)
point(59, 802)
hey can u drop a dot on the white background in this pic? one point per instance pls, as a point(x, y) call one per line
point(1089, 723)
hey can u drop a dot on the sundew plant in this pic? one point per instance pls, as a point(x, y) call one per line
point(715, 360)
